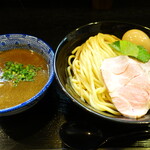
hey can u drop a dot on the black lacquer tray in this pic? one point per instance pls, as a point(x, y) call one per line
point(38, 127)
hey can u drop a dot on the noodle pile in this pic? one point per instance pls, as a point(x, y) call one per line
point(84, 71)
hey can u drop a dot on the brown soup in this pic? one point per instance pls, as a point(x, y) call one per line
point(13, 95)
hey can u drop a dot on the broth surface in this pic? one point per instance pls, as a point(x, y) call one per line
point(13, 95)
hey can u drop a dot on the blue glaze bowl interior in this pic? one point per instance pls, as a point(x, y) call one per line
point(12, 41)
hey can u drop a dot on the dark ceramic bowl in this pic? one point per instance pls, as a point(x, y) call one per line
point(76, 38)
point(11, 41)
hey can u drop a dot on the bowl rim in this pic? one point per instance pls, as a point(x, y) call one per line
point(12, 110)
point(119, 120)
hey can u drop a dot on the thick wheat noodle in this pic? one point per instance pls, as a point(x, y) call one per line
point(84, 71)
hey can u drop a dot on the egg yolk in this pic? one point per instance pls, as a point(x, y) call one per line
point(137, 37)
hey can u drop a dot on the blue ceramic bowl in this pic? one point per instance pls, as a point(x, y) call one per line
point(11, 41)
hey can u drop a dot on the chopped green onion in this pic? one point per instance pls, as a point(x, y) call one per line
point(18, 72)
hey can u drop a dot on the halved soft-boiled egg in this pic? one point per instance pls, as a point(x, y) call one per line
point(137, 37)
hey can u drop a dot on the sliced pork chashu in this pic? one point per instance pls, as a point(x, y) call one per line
point(128, 83)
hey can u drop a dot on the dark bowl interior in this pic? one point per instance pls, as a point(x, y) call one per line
point(76, 38)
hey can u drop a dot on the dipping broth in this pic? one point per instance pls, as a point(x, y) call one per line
point(11, 95)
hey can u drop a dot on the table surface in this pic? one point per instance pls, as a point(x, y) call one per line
point(38, 127)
